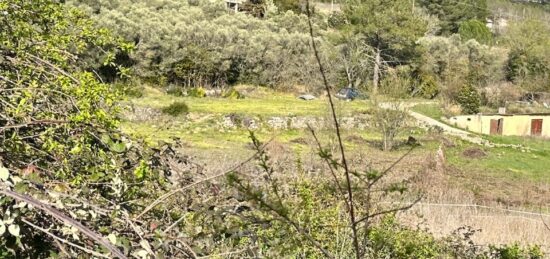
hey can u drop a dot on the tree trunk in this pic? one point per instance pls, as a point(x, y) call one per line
point(387, 141)
point(376, 75)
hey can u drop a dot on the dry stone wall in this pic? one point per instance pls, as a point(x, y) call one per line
point(236, 121)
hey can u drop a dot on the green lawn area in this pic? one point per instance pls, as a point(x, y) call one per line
point(537, 144)
point(202, 136)
point(529, 163)
point(270, 104)
point(206, 138)
point(509, 163)
point(432, 110)
point(207, 135)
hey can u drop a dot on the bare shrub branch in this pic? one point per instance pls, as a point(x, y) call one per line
point(65, 241)
point(338, 134)
point(60, 216)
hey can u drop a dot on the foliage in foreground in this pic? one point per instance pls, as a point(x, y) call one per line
point(305, 216)
point(60, 144)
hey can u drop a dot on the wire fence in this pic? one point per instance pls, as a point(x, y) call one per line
point(480, 212)
point(476, 206)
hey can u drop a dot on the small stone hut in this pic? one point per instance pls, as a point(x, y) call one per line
point(536, 124)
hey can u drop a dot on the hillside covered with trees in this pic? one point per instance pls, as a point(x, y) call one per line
point(75, 181)
point(431, 48)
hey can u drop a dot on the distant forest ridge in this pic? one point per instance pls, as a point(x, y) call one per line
point(544, 4)
point(532, 1)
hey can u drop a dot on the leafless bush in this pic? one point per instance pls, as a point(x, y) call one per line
point(501, 94)
point(390, 121)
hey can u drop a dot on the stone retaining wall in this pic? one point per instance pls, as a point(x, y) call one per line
point(234, 121)
point(290, 122)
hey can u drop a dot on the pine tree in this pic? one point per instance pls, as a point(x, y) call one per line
point(452, 13)
point(390, 27)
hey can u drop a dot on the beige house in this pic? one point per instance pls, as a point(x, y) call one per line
point(505, 124)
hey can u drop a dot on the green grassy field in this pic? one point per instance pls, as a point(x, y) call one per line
point(530, 163)
point(431, 110)
point(263, 102)
point(204, 134)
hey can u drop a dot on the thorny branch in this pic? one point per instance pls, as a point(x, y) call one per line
point(544, 222)
point(330, 166)
point(338, 134)
point(389, 211)
point(61, 71)
point(60, 216)
point(385, 172)
point(94, 253)
point(32, 123)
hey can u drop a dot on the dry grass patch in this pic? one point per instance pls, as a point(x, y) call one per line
point(497, 225)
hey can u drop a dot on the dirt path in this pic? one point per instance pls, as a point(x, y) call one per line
point(427, 122)
point(448, 130)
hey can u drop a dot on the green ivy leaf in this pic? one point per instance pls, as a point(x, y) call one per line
point(112, 238)
point(118, 147)
point(14, 230)
point(142, 253)
point(4, 174)
point(106, 139)
point(141, 170)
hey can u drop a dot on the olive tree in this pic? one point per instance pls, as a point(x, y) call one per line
point(199, 43)
point(529, 58)
point(454, 63)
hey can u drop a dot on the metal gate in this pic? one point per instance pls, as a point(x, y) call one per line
point(496, 126)
point(536, 127)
